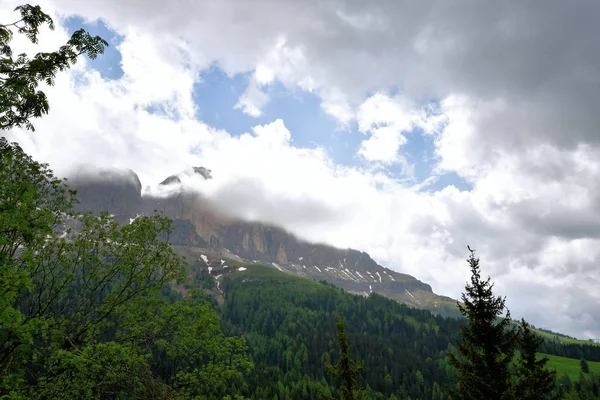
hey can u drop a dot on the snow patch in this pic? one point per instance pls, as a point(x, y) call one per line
point(378, 276)
point(204, 258)
point(358, 273)
point(242, 268)
point(343, 273)
point(222, 262)
point(218, 283)
point(300, 258)
point(277, 266)
point(304, 266)
point(354, 278)
point(411, 295)
point(372, 277)
point(209, 270)
point(318, 268)
point(370, 289)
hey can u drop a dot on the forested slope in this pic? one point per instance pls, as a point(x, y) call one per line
point(289, 323)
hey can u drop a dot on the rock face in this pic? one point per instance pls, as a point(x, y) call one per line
point(199, 228)
point(118, 192)
point(176, 179)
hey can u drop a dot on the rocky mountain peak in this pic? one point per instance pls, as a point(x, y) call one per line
point(204, 172)
point(114, 190)
point(176, 179)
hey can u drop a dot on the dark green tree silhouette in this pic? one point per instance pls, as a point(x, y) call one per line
point(533, 380)
point(20, 99)
point(584, 366)
point(346, 371)
point(488, 342)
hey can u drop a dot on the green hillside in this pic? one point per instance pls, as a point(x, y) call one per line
point(564, 339)
point(289, 323)
point(570, 366)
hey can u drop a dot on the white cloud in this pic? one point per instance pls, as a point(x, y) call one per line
point(383, 145)
point(158, 71)
point(253, 99)
point(516, 117)
point(387, 120)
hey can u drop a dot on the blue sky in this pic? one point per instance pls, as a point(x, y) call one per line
point(216, 95)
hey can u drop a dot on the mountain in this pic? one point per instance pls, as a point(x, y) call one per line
point(176, 179)
point(206, 235)
point(288, 319)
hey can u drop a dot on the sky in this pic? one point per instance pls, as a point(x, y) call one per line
point(405, 129)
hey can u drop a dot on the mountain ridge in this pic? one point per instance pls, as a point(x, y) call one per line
point(200, 228)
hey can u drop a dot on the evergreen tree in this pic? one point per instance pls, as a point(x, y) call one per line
point(488, 343)
point(347, 371)
point(584, 366)
point(533, 380)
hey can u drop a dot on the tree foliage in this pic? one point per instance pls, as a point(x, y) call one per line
point(98, 371)
point(76, 320)
point(186, 344)
point(290, 325)
point(487, 348)
point(533, 381)
point(486, 361)
point(20, 75)
point(346, 370)
point(584, 366)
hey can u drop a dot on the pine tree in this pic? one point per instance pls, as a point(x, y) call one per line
point(347, 371)
point(584, 366)
point(533, 380)
point(488, 342)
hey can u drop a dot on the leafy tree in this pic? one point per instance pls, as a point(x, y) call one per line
point(63, 275)
point(584, 366)
point(77, 319)
point(347, 371)
point(186, 345)
point(97, 371)
point(533, 380)
point(488, 342)
point(32, 203)
point(20, 99)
